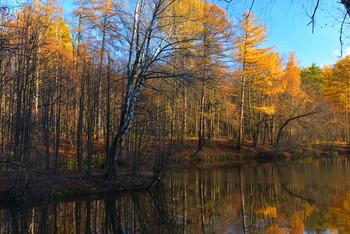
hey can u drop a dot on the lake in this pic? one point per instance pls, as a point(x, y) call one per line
point(299, 197)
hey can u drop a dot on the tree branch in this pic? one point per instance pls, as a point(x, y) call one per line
point(313, 16)
point(341, 36)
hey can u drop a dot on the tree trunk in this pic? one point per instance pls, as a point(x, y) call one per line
point(126, 119)
point(99, 76)
point(81, 102)
point(108, 114)
point(90, 127)
point(241, 114)
point(201, 131)
point(80, 127)
point(184, 120)
point(114, 154)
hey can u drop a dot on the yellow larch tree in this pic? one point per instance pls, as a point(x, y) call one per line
point(206, 33)
point(291, 78)
point(267, 86)
point(214, 36)
point(248, 56)
point(292, 103)
point(337, 88)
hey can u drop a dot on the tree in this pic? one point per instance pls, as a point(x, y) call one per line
point(311, 11)
point(292, 104)
point(266, 86)
point(248, 54)
point(311, 78)
point(147, 29)
point(214, 35)
point(337, 88)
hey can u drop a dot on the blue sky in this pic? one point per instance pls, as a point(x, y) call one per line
point(288, 30)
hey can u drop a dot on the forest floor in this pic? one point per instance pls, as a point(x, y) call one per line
point(36, 186)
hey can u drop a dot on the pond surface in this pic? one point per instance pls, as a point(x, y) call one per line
point(303, 197)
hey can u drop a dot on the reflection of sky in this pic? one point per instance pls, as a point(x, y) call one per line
point(287, 27)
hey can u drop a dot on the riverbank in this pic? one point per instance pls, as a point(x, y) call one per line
point(220, 152)
point(273, 192)
point(37, 185)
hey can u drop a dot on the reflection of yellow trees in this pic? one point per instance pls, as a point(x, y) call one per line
point(284, 199)
point(340, 214)
point(270, 211)
point(290, 199)
point(297, 222)
point(294, 218)
point(212, 202)
point(275, 229)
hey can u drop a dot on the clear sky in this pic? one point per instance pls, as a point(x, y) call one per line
point(288, 30)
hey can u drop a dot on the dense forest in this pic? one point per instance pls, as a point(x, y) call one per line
point(126, 83)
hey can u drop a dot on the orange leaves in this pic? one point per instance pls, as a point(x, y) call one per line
point(291, 78)
point(268, 110)
point(248, 53)
point(261, 68)
point(337, 83)
point(58, 37)
point(188, 12)
point(45, 21)
point(251, 36)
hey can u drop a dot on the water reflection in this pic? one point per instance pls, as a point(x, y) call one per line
point(146, 213)
point(298, 198)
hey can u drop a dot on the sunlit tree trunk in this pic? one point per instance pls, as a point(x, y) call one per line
point(241, 111)
point(201, 131)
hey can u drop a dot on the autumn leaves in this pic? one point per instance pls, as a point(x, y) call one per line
point(129, 72)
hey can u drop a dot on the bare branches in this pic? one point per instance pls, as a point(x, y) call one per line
point(341, 36)
point(290, 120)
point(312, 22)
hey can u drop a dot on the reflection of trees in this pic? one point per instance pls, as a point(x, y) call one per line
point(162, 216)
point(289, 198)
point(112, 216)
point(277, 198)
point(241, 179)
point(340, 214)
point(77, 216)
point(147, 212)
point(208, 200)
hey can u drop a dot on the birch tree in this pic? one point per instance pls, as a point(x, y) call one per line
point(147, 28)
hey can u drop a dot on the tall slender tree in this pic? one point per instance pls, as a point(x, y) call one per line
point(247, 55)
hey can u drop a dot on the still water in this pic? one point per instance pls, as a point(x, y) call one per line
point(308, 197)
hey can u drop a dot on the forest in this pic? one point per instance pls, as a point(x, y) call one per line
point(125, 84)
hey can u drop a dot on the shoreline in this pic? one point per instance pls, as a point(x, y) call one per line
point(37, 186)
